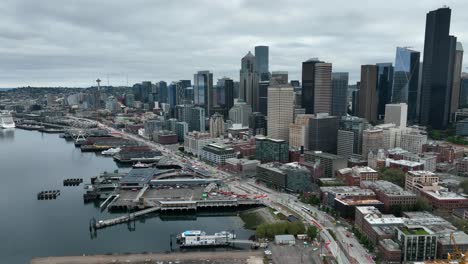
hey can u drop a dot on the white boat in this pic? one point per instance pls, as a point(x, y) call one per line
point(142, 165)
point(6, 120)
point(111, 151)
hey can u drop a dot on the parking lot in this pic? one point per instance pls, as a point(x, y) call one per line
point(293, 254)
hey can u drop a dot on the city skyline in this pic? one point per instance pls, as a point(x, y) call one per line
point(48, 46)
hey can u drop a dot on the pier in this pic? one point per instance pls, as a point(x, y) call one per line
point(125, 218)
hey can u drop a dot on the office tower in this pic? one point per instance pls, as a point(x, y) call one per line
point(248, 87)
point(216, 125)
point(457, 69)
point(197, 119)
point(357, 126)
point(240, 112)
point(406, 80)
point(181, 94)
point(323, 131)
point(396, 114)
point(316, 86)
point(437, 77)
point(384, 87)
point(162, 92)
point(367, 95)
point(372, 140)
point(280, 110)
point(203, 90)
point(299, 132)
point(225, 87)
point(181, 129)
point(345, 143)
point(146, 90)
point(172, 94)
point(261, 60)
point(339, 93)
point(308, 84)
point(257, 124)
point(323, 88)
point(189, 95)
point(353, 91)
point(279, 78)
point(463, 103)
point(413, 141)
point(263, 97)
point(112, 104)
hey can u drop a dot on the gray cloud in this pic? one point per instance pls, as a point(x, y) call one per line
point(71, 43)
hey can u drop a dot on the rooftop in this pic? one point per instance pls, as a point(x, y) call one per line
point(358, 202)
point(367, 210)
point(460, 237)
point(346, 190)
point(140, 176)
point(444, 195)
point(386, 187)
point(421, 173)
point(363, 169)
point(389, 245)
point(414, 230)
point(406, 163)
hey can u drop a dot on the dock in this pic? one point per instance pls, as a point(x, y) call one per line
point(124, 218)
point(48, 195)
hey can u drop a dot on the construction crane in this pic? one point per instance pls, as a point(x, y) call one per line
point(457, 255)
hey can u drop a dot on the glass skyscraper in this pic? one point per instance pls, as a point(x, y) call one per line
point(202, 90)
point(339, 93)
point(406, 80)
point(261, 59)
point(384, 87)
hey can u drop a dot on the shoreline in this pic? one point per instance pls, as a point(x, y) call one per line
point(243, 256)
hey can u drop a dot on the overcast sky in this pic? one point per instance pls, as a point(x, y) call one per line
point(71, 43)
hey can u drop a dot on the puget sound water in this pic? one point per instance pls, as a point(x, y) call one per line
point(31, 162)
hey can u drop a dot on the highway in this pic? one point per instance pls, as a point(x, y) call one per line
point(274, 198)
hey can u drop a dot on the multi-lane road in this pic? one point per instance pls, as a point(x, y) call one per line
point(311, 216)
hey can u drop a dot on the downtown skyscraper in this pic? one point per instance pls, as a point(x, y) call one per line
point(203, 90)
point(406, 80)
point(316, 86)
point(384, 87)
point(262, 62)
point(339, 93)
point(438, 62)
point(248, 86)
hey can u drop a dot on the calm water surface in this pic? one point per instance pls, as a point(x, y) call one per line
point(30, 162)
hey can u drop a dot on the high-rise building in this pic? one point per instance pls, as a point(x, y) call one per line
point(181, 95)
point(181, 129)
point(162, 92)
point(299, 132)
point(280, 110)
point(263, 97)
point(216, 125)
point(308, 84)
point(203, 90)
point(225, 88)
point(413, 141)
point(396, 114)
point(323, 88)
point(323, 132)
point(372, 140)
point(406, 80)
point(240, 112)
point(339, 93)
point(248, 84)
point(437, 77)
point(345, 143)
point(357, 126)
point(384, 87)
point(262, 61)
point(316, 86)
point(463, 103)
point(129, 99)
point(457, 69)
point(257, 124)
point(368, 96)
point(197, 119)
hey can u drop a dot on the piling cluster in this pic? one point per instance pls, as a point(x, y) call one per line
point(72, 182)
point(48, 195)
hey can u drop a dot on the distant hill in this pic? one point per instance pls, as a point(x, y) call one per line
point(5, 89)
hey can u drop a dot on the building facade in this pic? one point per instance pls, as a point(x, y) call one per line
point(280, 111)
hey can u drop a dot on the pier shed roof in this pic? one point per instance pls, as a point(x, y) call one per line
point(139, 176)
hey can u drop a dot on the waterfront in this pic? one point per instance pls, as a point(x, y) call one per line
point(31, 162)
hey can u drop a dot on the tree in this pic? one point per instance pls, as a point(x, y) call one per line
point(422, 205)
point(464, 186)
point(395, 176)
point(312, 232)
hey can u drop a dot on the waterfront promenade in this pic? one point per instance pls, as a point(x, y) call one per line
point(226, 257)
